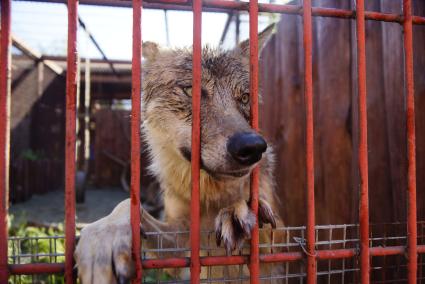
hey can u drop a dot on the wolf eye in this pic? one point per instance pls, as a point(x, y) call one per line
point(245, 98)
point(188, 91)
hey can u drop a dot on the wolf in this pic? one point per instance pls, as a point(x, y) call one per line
point(230, 149)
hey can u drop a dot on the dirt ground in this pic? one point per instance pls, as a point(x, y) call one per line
point(48, 209)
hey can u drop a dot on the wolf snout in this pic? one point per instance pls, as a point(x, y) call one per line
point(246, 148)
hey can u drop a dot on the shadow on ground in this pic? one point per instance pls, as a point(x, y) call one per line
point(48, 209)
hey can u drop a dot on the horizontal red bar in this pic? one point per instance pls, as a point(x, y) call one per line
point(224, 260)
point(226, 6)
point(175, 262)
point(383, 251)
point(178, 262)
point(281, 257)
point(36, 268)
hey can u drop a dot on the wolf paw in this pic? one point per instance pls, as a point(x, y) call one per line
point(103, 253)
point(265, 214)
point(233, 225)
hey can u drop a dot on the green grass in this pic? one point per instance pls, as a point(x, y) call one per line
point(20, 228)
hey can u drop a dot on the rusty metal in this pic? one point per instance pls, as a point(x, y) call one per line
point(195, 226)
point(4, 132)
point(227, 6)
point(412, 251)
point(180, 262)
point(254, 265)
point(135, 137)
point(97, 45)
point(309, 138)
point(362, 147)
point(311, 251)
point(70, 138)
point(36, 268)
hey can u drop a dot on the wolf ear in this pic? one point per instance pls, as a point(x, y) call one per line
point(263, 37)
point(150, 50)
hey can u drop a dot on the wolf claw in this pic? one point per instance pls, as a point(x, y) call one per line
point(233, 225)
point(265, 214)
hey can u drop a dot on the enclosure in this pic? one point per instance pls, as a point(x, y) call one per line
point(343, 103)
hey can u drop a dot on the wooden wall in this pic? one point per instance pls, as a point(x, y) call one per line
point(335, 115)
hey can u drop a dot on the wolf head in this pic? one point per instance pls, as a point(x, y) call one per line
point(230, 148)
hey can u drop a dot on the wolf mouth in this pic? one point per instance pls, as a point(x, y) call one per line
point(186, 153)
point(237, 174)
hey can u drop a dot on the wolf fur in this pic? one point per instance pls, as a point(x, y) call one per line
point(103, 254)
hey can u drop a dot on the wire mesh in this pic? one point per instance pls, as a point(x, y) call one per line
point(384, 269)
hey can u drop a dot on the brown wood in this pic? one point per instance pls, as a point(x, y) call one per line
point(335, 108)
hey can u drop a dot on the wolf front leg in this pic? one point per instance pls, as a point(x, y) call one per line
point(103, 253)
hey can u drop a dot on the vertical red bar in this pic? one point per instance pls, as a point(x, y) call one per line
point(254, 264)
point(4, 133)
point(308, 98)
point(363, 158)
point(70, 136)
point(135, 137)
point(411, 144)
point(195, 266)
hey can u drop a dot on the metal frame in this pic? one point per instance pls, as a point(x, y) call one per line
point(196, 261)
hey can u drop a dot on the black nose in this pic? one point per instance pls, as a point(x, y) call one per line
point(246, 148)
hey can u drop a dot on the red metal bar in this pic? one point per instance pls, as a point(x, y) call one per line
point(180, 262)
point(224, 260)
point(4, 132)
point(135, 138)
point(418, 20)
point(384, 251)
point(254, 264)
point(363, 158)
point(36, 268)
point(166, 262)
point(281, 257)
point(195, 212)
point(70, 137)
point(226, 6)
point(308, 98)
point(411, 144)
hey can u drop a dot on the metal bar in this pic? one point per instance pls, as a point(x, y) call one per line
point(308, 100)
point(411, 144)
point(195, 266)
point(226, 27)
point(34, 55)
point(70, 138)
point(363, 147)
point(222, 6)
point(87, 85)
point(180, 262)
point(254, 265)
point(4, 132)
point(135, 137)
point(36, 268)
point(96, 44)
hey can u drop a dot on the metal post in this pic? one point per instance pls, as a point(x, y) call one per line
point(135, 137)
point(308, 99)
point(70, 138)
point(254, 265)
point(4, 133)
point(363, 149)
point(195, 266)
point(412, 251)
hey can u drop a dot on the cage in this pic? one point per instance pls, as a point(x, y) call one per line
point(345, 253)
